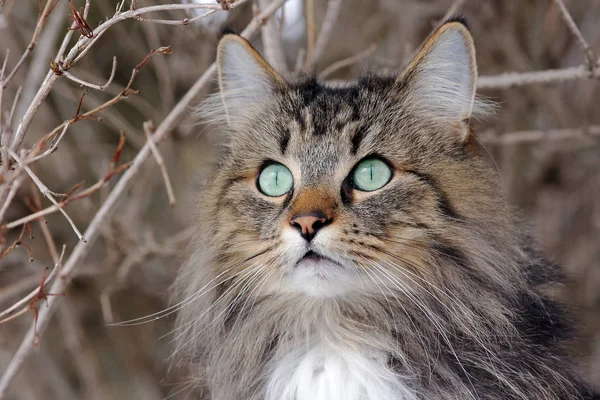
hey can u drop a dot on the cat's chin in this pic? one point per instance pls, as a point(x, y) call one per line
point(321, 277)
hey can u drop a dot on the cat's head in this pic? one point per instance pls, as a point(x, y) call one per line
point(326, 190)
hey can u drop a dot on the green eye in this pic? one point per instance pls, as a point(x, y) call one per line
point(371, 174)
point(275, 180)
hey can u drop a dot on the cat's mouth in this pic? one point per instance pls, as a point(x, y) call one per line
point(312, 257)
point(320, 276)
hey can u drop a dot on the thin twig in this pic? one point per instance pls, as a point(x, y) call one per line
point(452, 11)
point(12, 309)
point(36, 34)
point(71, 197)
point(38, 66)
point(583, 44)
point(348, 61)
point(46, 192)
point(309, 15)
point(2, 72)
point(535, 136)
point(54, 144)
point(271, 39)
point(11, 194)
point(515, 79)
point(184, 21)
point(148, 128)
point(3, 128)
point(91, 85)
point(62, 128)
point(331, 15)
point(80, 49)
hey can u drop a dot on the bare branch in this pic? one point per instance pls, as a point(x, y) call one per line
point(148, 128)
point(38, 66)
point(2, 72)
point(309, 15)
point(583, 44)
point(70, 197)
point(331, 15)
point(272, 42)
point(535, 136)
point(83, 45)
point(90, 85)
point(36, 206)
point(4, 132)
point(46, 192)
point(452, 10)
point(184, 21)
point(515, 79)
point(348, 61)
point(11, 194)
point(10, 311)
point(36, 34)
point(62, 128)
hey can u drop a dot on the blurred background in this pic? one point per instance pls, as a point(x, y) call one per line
point(552, 177)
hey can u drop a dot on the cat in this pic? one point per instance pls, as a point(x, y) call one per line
point(354, 245)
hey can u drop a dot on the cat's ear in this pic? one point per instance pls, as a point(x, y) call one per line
point(441, 80)
point(246, 79)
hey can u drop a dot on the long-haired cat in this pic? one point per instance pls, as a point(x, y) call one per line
point(353, 245)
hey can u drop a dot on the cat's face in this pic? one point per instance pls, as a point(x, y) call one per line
point(325, 190)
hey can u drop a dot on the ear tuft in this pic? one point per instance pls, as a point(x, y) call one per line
point(441, 80)
point(225, 30)
point(459, 18)
point(246, 80)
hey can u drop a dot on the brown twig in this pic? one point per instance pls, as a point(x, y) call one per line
point(46, 192)
point(70, 197)
point(33, 298)
point(122, 95)
point(80, 49)
point(17, 243)
point(81, 24)
point(35, 207)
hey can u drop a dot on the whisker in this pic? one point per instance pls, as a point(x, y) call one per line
point(456, 301)
point(260, 279)
point(251, 295)
point(246, 273)
point(371, 275)
point(416, 330)
point(428, 314)
point(226, 309)
point(176, 307)
point(450, 296)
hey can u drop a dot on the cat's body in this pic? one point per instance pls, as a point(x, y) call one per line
point(389, 269)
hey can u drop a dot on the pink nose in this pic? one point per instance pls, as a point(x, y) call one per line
point(309, 224)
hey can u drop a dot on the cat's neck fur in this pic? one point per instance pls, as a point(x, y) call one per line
point(296, 347)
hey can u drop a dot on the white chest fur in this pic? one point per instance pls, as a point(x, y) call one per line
point(326, 372)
